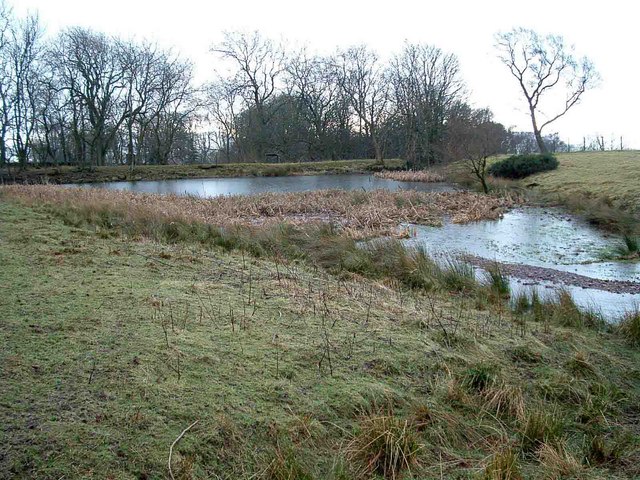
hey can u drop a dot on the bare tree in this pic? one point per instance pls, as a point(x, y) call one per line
point(91, 68)
point(223, 98)
point(257, 67)
point(314, 82)
point(364, 81)
point(24, 53)
point(542, 65)
point(6, 19)
point(473, 138)
point(426, 85)
point(175, 103)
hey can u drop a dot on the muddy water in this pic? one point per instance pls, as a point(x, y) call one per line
point(211, 187)
point(548, 238)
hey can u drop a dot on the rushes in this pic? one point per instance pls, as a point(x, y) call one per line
point(412, 176)
point(629, 327)
point(358, 214)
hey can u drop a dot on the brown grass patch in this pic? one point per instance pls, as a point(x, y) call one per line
point(358, 214)
point(412, 176)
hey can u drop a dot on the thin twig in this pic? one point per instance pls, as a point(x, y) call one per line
point(174, 444)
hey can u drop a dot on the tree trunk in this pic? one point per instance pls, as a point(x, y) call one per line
point(536, 131)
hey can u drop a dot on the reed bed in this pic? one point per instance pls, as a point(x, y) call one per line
point(358, 214)
point(412, 176)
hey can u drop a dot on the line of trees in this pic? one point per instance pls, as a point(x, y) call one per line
point(298, 106)
point(88, 99)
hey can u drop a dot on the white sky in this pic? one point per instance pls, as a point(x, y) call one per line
point(605, 31)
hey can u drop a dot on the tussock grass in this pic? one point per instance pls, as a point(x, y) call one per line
point(525, 354)
point(498, 284)
point(505, 400)
point(457, 275)
point(540, 427)
point(630, 247)
point(580, 365)
point(559, 309)
point(608, 450)
point(504, 465)
point(383, 445)
point(629, 327)
point(286, 466)
point(558, 462)
point(479, 378)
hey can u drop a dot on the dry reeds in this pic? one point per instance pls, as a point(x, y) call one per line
point(411, 176)
point(358, 214)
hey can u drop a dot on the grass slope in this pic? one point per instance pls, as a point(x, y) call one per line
point(169, 172)
point(112, 346)
point(612, 176)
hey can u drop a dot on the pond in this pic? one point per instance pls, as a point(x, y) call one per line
point(548, 248)
point(567, 252)
point(211, 187)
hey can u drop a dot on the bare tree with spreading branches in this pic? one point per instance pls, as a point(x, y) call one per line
point(364, 80)
point(473, 137)
point(258, 64)
point(544, 65)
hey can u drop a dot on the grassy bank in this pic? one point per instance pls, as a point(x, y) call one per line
point(609, 176)
point(603, 186)
point(172, 172)
point(114, 342)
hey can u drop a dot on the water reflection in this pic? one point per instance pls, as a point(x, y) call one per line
point(211, 187)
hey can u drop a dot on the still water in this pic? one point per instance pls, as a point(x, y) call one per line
point(211, 187)
point(541, 237)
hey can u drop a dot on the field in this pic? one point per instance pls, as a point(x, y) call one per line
point(170, 172)
point(308, 363)
point(608, 177)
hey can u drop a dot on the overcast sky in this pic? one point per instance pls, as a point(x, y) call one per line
point(607, 32)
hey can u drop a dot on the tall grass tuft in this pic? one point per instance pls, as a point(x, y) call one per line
point(629, 327)
point(384, 445)
point(558, 462)
point(607, 450)
point(505, 400)
point(540, 427)
point(497, 283)
point(285, 466)
point(503, 466)
point(457, 275)
point(479, 378)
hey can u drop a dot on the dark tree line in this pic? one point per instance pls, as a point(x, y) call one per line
point(297, 106)
point(88, 99)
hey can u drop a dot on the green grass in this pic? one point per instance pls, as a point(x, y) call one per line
point(168, 172)
point(600, 185)
point(112, 344)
